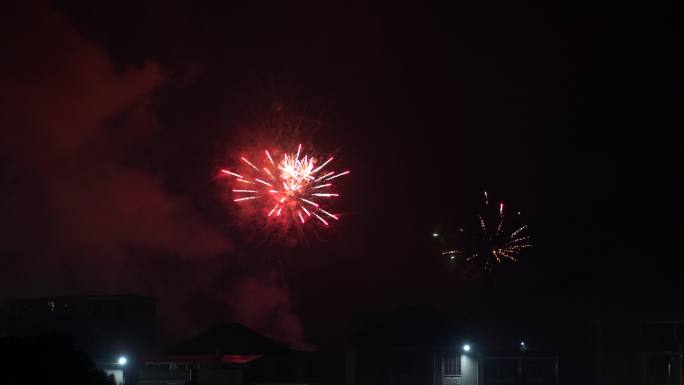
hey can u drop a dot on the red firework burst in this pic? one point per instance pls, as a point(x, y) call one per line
point(286, 187)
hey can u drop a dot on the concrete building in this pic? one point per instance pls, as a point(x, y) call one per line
point(639, 350)
point(412, 346)
point(110, 328)
point(519, 369)
point(420, 346)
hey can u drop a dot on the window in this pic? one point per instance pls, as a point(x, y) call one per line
point(661, 369)
point(452, 365)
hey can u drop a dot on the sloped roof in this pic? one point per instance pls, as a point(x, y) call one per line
point(228, 339)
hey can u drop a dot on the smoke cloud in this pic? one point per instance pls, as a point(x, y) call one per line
point(79, 215)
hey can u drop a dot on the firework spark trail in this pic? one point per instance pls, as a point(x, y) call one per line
point(324, 176)
point(231, 173)
point(495, 240)
point(516, 232)
point(501, 219)
point(322, 220)
point(288, 185)
point(338, 175)
point(328, 214)
point(244, 199)
point(483, 226)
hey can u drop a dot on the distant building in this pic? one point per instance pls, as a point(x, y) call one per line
point(642, 350)
point(232, 354)
point(519, 369)
point(413, 346)
point(107, 327)
point(419, 346)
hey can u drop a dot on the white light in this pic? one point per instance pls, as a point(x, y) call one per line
point(522, 343)
point(122, 360)
point(435, 235)
point(466, 348)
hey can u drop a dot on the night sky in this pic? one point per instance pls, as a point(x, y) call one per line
point(115, 118)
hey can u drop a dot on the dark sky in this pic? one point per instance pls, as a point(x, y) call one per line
point(116, 116)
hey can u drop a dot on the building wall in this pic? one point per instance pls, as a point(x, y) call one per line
point(410, 366)
point(220, 375)
point(104, 326)
point(164, 374)
point(181, 374)
point(117, 374)
point(469, 370)
point(519, 370)
point(639, 352)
